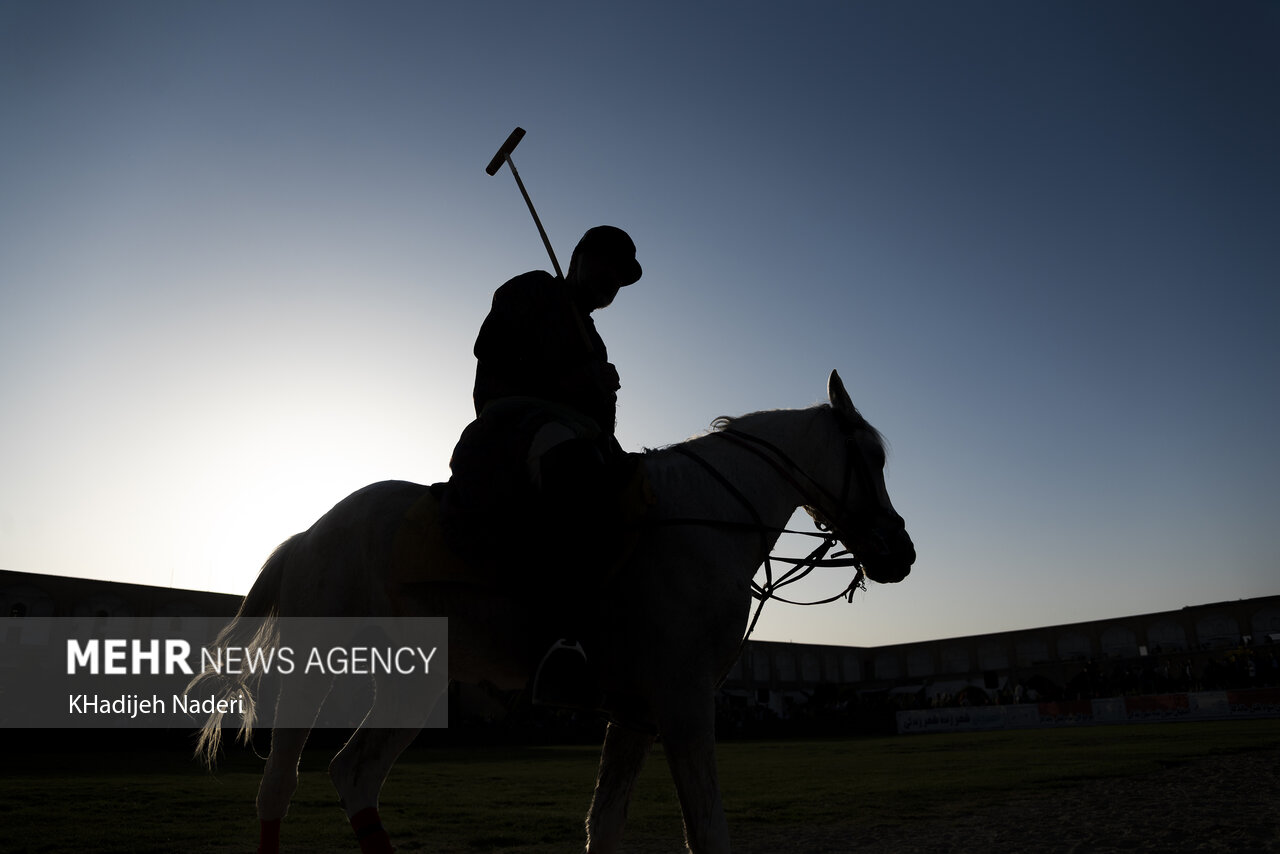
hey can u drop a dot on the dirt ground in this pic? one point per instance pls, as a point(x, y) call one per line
point(1228, 803)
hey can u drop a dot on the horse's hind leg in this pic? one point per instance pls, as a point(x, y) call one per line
point(279, 782)
point(361, 767)
point(280, 777)
point(620, 763)
point(358, 772)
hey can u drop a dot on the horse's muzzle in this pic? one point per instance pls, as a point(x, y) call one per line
point(890, 556)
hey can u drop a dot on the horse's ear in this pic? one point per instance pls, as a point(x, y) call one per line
point(840, 400)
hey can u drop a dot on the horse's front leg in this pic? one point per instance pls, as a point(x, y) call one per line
point(689, 741)
point(620, 763)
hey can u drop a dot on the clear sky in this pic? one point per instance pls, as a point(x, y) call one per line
point(245, 249)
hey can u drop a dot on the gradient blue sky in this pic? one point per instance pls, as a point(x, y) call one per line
point(245, 248)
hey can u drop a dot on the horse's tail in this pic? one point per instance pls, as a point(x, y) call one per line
point(254, 627)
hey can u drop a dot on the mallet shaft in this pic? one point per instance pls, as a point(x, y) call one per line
point(545, 240)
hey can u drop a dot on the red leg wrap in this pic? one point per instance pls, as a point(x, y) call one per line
point(269, 837)
point(370, 834)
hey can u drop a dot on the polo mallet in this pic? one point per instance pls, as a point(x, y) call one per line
point(504, 154)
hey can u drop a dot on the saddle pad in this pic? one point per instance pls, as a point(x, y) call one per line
point(418, 553)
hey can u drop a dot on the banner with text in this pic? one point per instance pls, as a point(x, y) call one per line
point(1199, 706)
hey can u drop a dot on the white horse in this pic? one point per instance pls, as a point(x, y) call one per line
point(674, 613)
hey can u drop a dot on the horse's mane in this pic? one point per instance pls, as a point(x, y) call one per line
point(743, 422)
point(747, 421)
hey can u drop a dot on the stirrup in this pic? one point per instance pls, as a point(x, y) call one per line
point(567, 683)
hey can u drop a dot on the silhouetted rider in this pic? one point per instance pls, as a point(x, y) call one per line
point(539, 340)
point(536, 475)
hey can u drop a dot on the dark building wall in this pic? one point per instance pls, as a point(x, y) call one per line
point(1162, 648)
point(29, 595)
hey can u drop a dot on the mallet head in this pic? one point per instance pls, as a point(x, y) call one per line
point(505, 151)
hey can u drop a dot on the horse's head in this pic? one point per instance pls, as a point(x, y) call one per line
point(864, 519)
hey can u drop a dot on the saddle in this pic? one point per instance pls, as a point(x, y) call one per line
point(420, 552)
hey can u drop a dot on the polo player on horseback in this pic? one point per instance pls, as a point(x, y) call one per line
point(542, 451)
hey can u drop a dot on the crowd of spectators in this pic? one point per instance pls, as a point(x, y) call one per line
point(830, 709)
point(1171, 673)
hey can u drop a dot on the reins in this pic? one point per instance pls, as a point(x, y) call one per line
point(800, 567)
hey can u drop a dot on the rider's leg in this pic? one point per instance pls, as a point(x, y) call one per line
point(578, 510)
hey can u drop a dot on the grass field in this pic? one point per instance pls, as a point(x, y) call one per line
point(534, 799)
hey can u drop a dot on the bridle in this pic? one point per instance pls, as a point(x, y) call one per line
point(829, 529)
point(855, 470)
